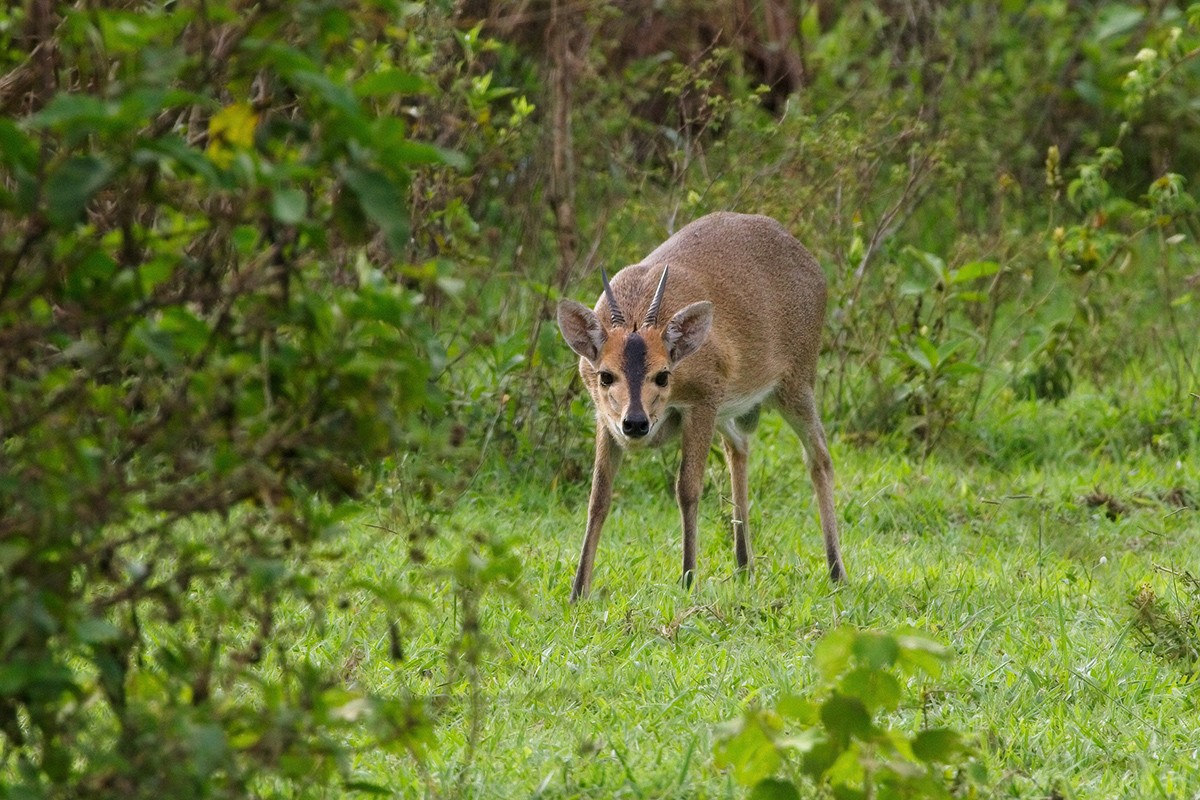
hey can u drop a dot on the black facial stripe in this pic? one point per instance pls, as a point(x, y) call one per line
point(634, 362)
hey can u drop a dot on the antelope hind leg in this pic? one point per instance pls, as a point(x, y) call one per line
point(800, 411)
point(735, 436)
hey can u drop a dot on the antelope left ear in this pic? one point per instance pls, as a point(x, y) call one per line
point(687, 330)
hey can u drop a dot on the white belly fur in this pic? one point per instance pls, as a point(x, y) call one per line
point(740, 406)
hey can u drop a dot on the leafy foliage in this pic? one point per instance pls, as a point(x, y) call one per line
point(841, 741)
point(254, 257)
point(197, 358)
point(1170, 630)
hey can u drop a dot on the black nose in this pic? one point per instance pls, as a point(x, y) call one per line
point(635, 427)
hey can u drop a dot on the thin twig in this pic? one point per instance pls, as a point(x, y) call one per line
point(1183, 59)
point(883, 230)
point(1187, 576)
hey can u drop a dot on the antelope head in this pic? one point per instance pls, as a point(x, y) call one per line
point(627, 366)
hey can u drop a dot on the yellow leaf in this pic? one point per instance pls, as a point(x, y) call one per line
point(230, 129)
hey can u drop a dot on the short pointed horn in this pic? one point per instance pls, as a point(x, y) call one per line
point(617, 317)
point(652, 315)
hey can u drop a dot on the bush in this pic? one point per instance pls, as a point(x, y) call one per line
point(840, 738)
point(197, 358)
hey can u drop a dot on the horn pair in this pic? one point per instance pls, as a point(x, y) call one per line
point(618, 318)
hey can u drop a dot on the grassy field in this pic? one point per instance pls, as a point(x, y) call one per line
point(1021, 553)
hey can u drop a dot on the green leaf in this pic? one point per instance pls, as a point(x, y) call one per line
point(750, 751)
point(73, 113)
point(130, 32)
point(878, 690)
point(245, 239)
point(792, 706)
point(157, 270)
point(209, 747)
point(390, 82)
point(266, 573)
point(174, 151)
point(932, 261)
point(774, 789)
point(382, 201)
point(188, 332)
point(804, 742)
point(848, 769)
point(1118, 19)
point(72, 185)
point(975, 269)
point(937, 744)
point(919, 358)
point(157, 342)
point(288, 205)
point(15, 549)
point(961, 368)
point(832, 654)
point(845, 717)
point(299, 766)
point(876, 650)
point(396, 150)
point(922, 653)
point(349, 217)
point(96, 631)
point(333, 94)
point(410, 152)
point(15, 147)
point(948, 349)
point(843, 792)
point(56, 763)
point(367, 787)
point(1088, 92)
point(820, 758)
point(932, 357)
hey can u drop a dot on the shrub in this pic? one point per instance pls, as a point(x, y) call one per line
point(840, 737)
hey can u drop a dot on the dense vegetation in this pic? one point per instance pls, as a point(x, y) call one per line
point(293, 459)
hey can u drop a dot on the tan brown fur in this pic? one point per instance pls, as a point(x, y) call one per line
point(739, 326)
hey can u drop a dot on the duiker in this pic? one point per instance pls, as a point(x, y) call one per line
point(723, 318)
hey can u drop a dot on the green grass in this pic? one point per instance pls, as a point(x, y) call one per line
point(993, 551)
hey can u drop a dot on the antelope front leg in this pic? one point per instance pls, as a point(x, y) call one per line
point(699, 426)
point(608, 459)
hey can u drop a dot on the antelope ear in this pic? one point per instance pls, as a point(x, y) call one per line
point(581, 328)
point(687, 330)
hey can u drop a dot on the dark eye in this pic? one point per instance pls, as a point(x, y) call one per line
point(661, 378)
point(606, 378)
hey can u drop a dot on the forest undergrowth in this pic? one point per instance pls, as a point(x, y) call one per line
point(1053, 557)
point(294, 460)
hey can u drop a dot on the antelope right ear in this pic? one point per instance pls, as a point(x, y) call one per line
point(581, 328)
